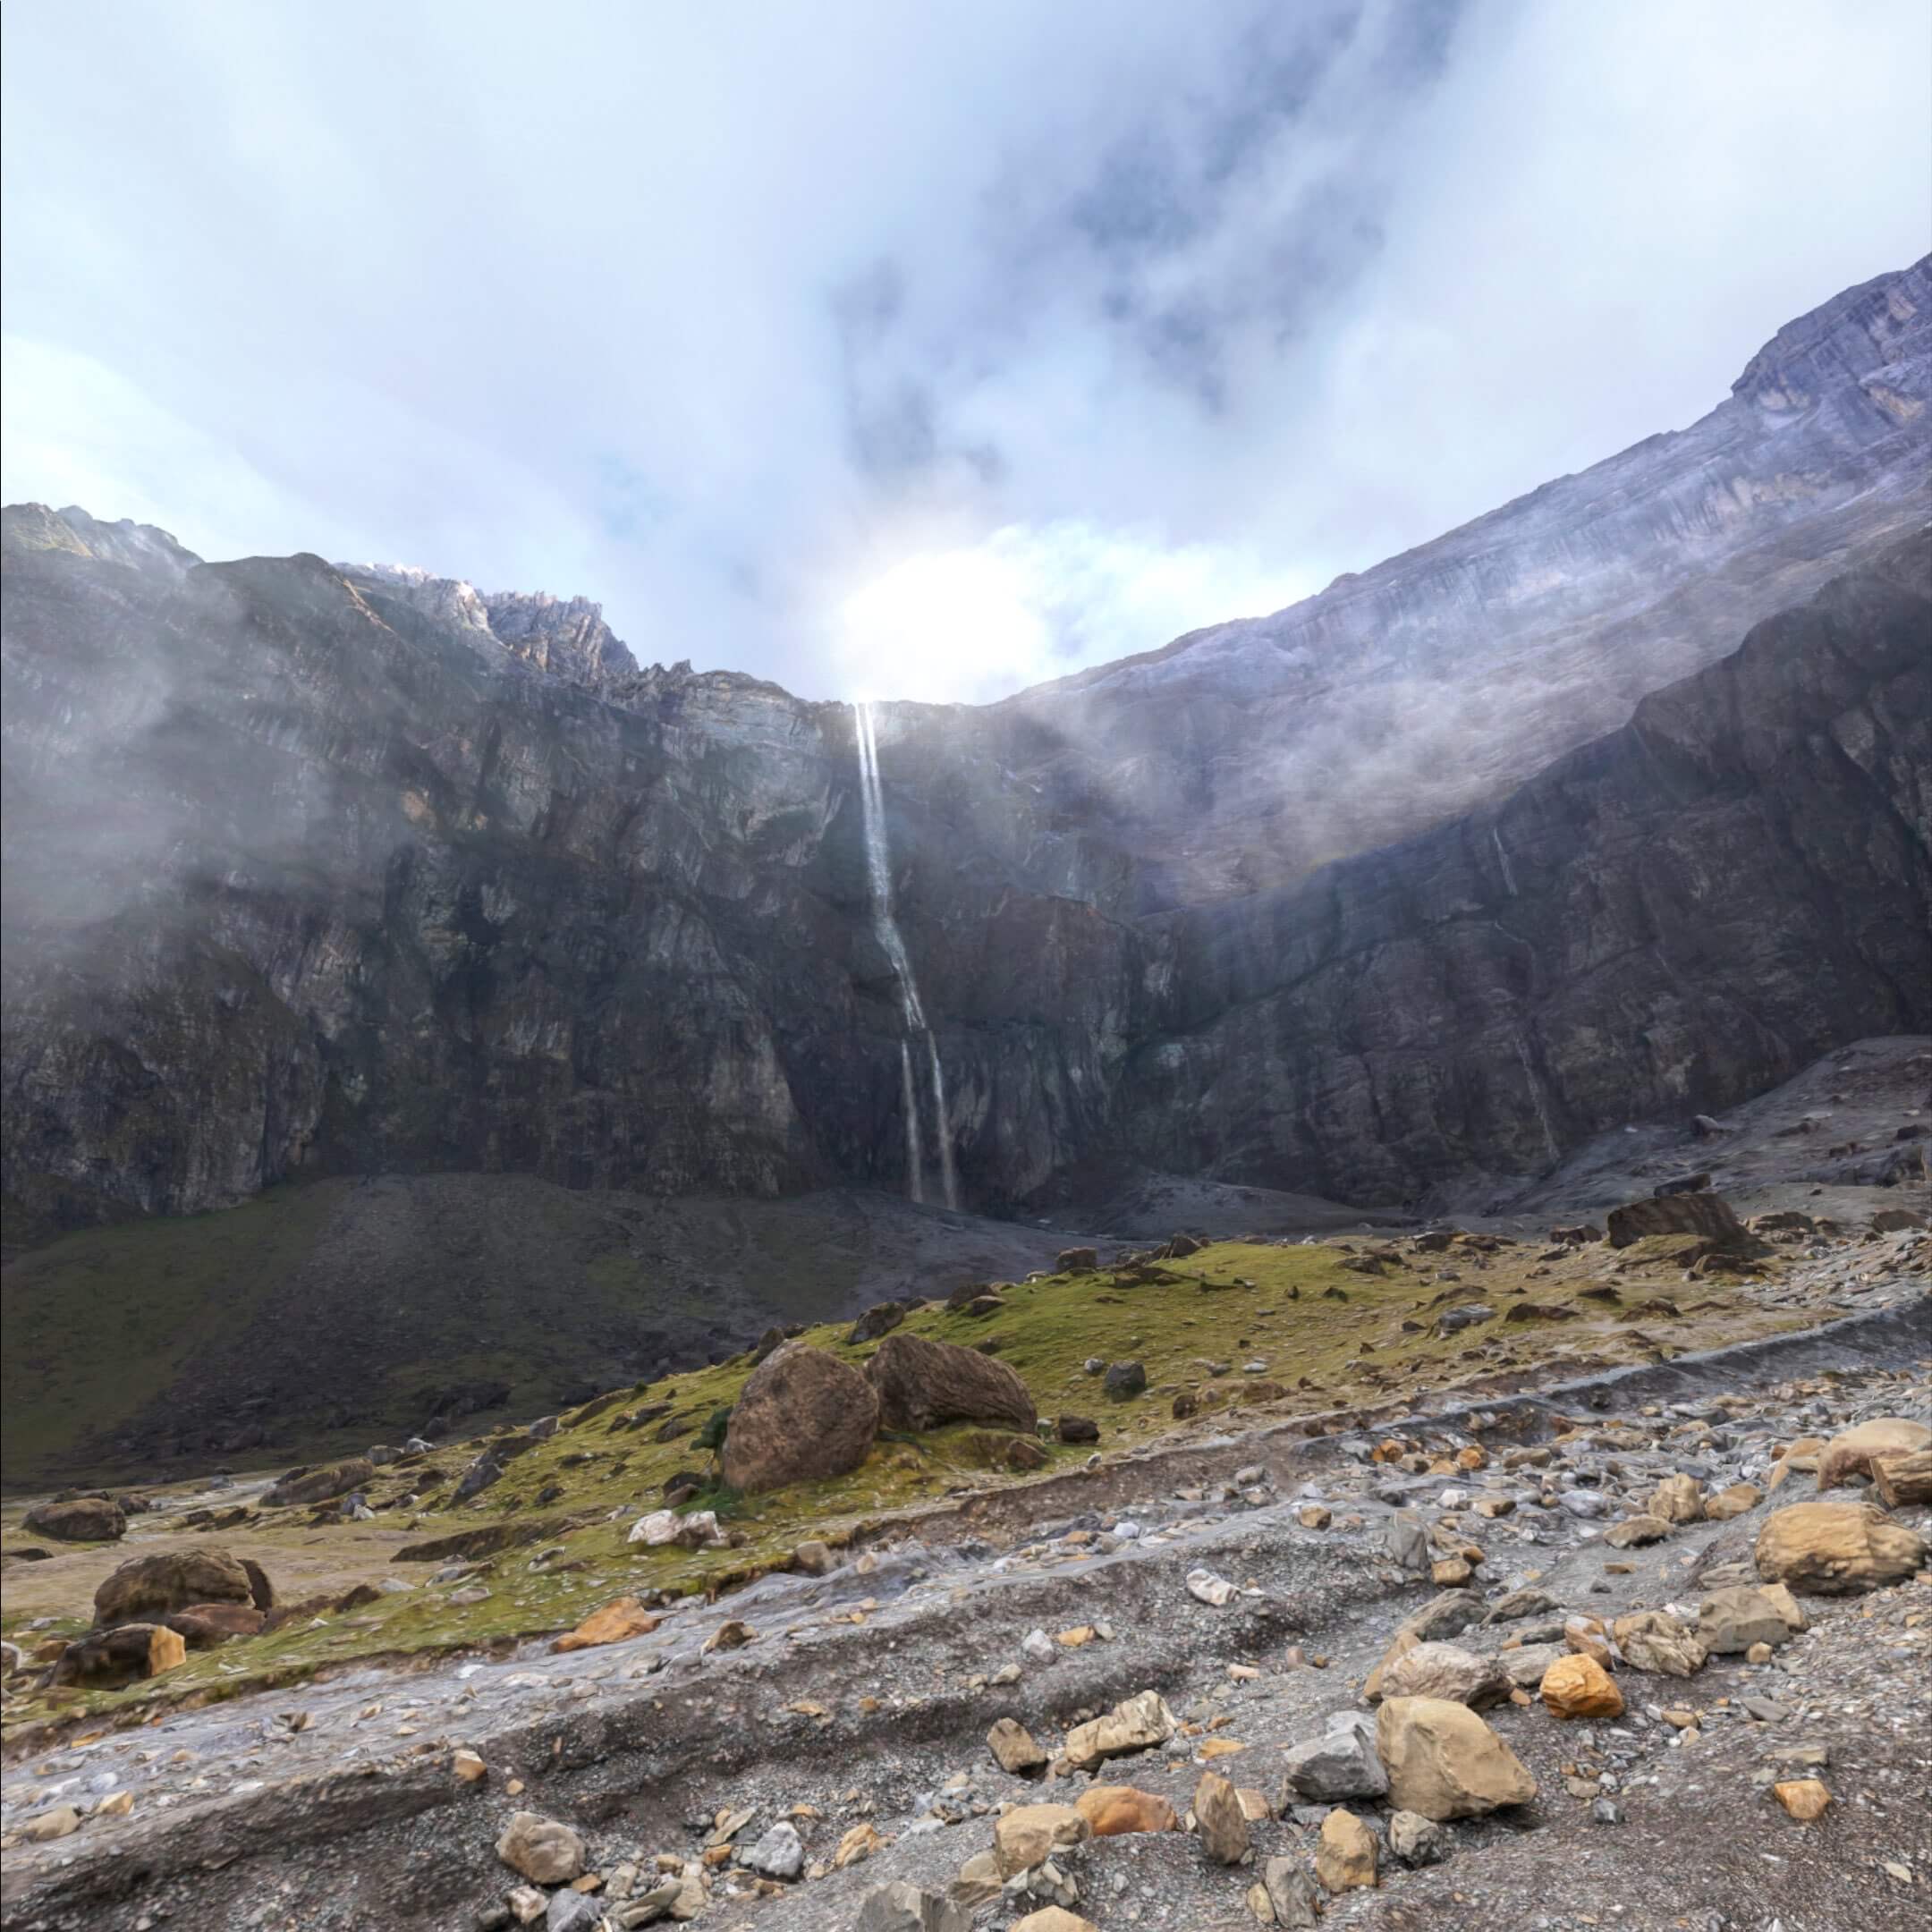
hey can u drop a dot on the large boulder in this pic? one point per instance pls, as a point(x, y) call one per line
point(85, 1520)
point(152, 1589)
point(803, 1414)
point(1341, 1763)
point(320, 1485)
point(1849, 1455)
point(922, 1383)
point(881, 1318)
point(543, 1851)
point(203, 1626)
point(1656, 1640)
point(1446, 1669)
point(1140, 1723)
point(106, 1659)
point(1444, 1762)
point(1708, 1215)
point(1029, 1834)
point(1830, 1550)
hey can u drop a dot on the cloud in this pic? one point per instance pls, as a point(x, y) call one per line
point(1120, 313)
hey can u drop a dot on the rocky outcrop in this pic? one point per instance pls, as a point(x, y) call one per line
point(803, 1415)
point(921, 1385)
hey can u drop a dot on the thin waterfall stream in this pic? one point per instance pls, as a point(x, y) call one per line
point(879, 869)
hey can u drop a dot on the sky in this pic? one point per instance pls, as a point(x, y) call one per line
point(911, 351)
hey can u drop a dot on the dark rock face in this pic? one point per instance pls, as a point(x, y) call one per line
point(344, 870)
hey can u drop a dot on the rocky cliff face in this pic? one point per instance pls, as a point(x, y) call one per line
point(316, 868)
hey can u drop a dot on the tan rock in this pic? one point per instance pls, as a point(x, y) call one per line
point(1634, 1532)
point(1402, 1643)
point(1029, 1834)
point(1444, 1670)
point(1586, 1638)
point(1113, 1810)
point(1903, 1478)
point(1656, 1640)
point(1219, 1820)
point(124, 1654)
point(978, 1883)
point(1446, 1572)
point(468, 1768)
point(1580, 1687)
point(541, 1849)
point(1444, 1762)
point(1054, 1918)
point(1849, 1454)
point(1678, 1499)
point(621, 1618)
point(85, 1520)
point(1346, 1857)
point(1740, 1615)
point(803, 1414)
point(1138, 1723)
point(204, 1626)
point(1013, 1748)
point(859, 1844)
point(1836, 1549)
point(1739, 1500)
point(62, 1822)
point(1805, 1799)
point(1314, 1516)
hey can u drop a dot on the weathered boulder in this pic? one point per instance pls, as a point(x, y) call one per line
point(543, 1851)
point(1013, 1748)
point(1444, 1670)
point(147, 1588)
point(1341, 1763)
point(86, 1519)
point(904, 1907)
point(1077, 1429)
point(124, 1654)
point(1741, 1614)
point(1634, 1532)
point(1219, 1819)
point(1901, 1478)
point(320, 1485)
point(1124, 1380)
point(1444, 1762)
point(1114, 1810)
point(1678, 1499)
point(1029, 1834)
point(1706, 1214)
point(1077, 1261)
point(1579, 1686)
point(1416, 1840)
point(616, 1621)
point(202, 1626)
point(1849, 1455)
point(803, 1414)
point(1739, 1499)
point(921, 1384)
point(1656, 1640)
point(1836, 1549)
point(881, 1318)
point(1345, 1856)
point(1139, 1722)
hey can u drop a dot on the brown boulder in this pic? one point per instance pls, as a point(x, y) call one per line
point(202, 1626)
point(1077, 1261)
point(1580, 1687)
point(1708, 1215)
point(1220, 1820)
point(1836, 1549)
point(921, 1384)
point(614, 1622)
point(1902, 1478)
point(121, 1656)
point(881, 1318)
point(85, 1520)
point(145, 1589)
point(1346, 1857)
point(320, 1485)
point(1114, 1810)
point(803, 1414)
point(1851, 1454)
point(1444, 1762)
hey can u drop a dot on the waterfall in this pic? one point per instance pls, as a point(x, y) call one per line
point(879, 869)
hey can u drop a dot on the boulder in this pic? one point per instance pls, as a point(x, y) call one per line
point(1849, 1455)
point(881, 1318)
point(1444, 1670)
point(1054, 1918)
point(1416, 1840)
point(1077, 1261)
point(1580, 1687)
point(904, 1907)
point(614, 1622)
point(1806, 1800)
point(778, 1853)
point(1738, 1500)
point(1219, 1819)
point(541, 1849)
point(146, 1589)
point(1678, 1499)
point(202, 1626)
point(1656, 1640)
point(1836, 1549)
point(1124, 1380)
point(124, 1654)
point(1346, 1857)
point(86, 1519)
point(920, 1385)
point(802, 1415)
point(1140, 1723)
point(1736, 1617)
point(1013, 1748)
point(1029, 1834)
point(1114, 1810)
point(1289, 1894)
point(1444, 1762)
point(1341, 1763)
point(320, 1485)
point(1634, 1532)
point(1708, 1215)
point(1901, 1479)
point(1077, 1429)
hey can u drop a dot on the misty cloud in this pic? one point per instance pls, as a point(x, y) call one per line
point(1108, 320)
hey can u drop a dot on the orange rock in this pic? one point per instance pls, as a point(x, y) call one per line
point(623, 1617)
point(1578, 1686)
point(1116, 1809)
point(1804, 1798)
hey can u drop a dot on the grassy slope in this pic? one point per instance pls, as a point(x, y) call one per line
point(1307, 1316)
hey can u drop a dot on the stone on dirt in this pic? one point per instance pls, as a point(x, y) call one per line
point(1849, 1456)
point(902, 1906)
point(1345, 1855)
point(320, 1485)
point(1741, 1614)
point(126, 1654)
point(779, 1853)
point(1580, 1687)
point(1341, 1763)
point(1656, 1640)
point(203, 1626)
point(1013, 1748)
point(1029, 1834)
point(145, 1587)
point(1219, 1819)
point(803, 1414)
point(622, 1618)
point(1139, 1722)
point(1114, 1810)
point(541, 1849)
point(1836, 1549)
point(1444, 1762)
point(85, 1520)
point(1444, 1670)
point(921, 1385)
point(1416, 1840)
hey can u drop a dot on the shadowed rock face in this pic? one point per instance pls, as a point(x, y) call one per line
point(316, 868)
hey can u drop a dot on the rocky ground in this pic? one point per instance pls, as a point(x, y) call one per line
point(720, 1763)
